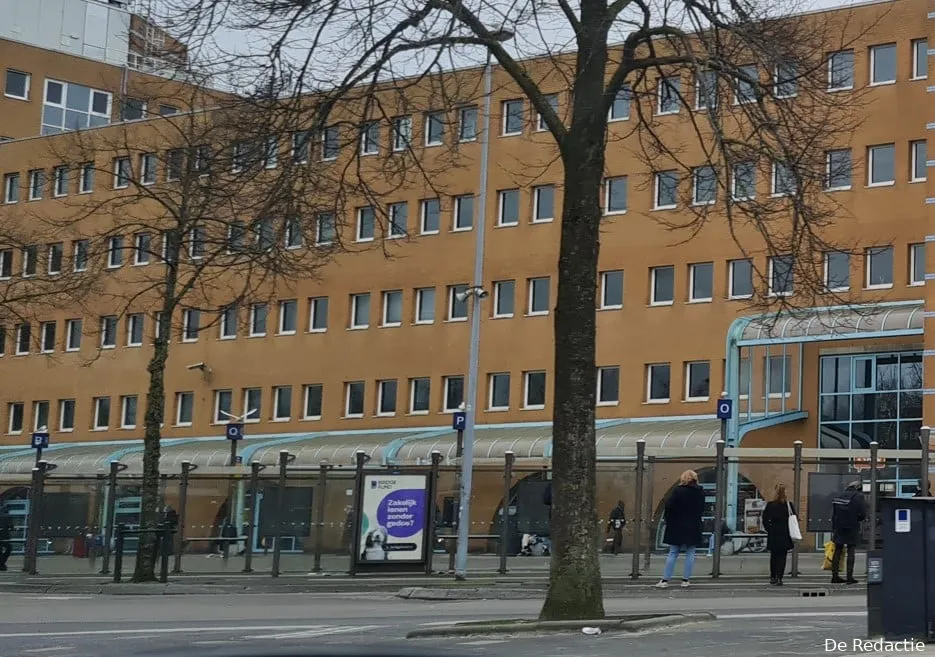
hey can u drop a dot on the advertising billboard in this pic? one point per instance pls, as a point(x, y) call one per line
point(393, 519)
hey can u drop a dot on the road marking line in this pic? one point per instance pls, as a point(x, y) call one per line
point(55, 649)
point(57, 597)
point(482, 642)
point(795, 614)
point(321, 631)
point(161, 630)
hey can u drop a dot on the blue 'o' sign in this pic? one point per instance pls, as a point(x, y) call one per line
point(724, 408)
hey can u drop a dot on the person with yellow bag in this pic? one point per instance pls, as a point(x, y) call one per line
point(847, 512)
point(829, 556)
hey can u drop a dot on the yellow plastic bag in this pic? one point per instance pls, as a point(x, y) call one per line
point(829, 555)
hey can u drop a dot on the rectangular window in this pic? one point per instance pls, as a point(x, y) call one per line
point(608, 386)
point(122, 172)
point(464, 212)
point(434, 128)
point(837, 271)
point(392, 308)
point(499, 392)
point(101, 413)
point(11, 188)
point(6, 263)
point(300, 146)
point(513, 117)
point(786, 80)
point(47, 337)
point(620, 108)
point(781, 275)
point(135, 330)
point(16, 412)
point(402, 133)
point(115, 252)
point(841, 70)
point(330, 144)
point(783, 179)
point(704, 185)
point(168, 110)
point(701, 282)
point(318, 314)
point(615, 195)
point(354, 399)
point(270, 153)
point(457, 303)
point(552, 101)
point(883, 64)
point(60, 182)
point(454, 393)
point(697, 381)
point(56, 256)
point(40, 416)
point(425, 305)
point(360, 310)
point(467, 124)
point(881, 165)
point(366, 221)
point(879, 267)
point(666, 190)
point(747, 84)
point(175, 164)
point(128, 405)
point(386, 397)
point(288, 316)
point(191, 324)
point(30, 260)
point(80, 255)
point(534, 390)
point(148, 168)
point(504, 293)
point(743, 184)
point(223, 406)
point(662, 286)
point(132, 109)
point(86, 178)
point(917, 264)
point(430, 216)
point(839, 169)
point(293, 233)
point(109, 331)
point(66, 415)
point(229, 321)
point(282, 403)
point(184, 408)
point(142, 247)
point(23, 339)
point(543, 203)
point(917, 156)
point(658, 382)
point(668, 95)
point(258, 315)
point(313, 396)
point(398, 220)
point(920, 59)
point(612, 290)
point(36, 184)
point(17, 84)
point(706, 90)
point(73, 330)
point(420, 398)
point(196, 247)
point(324, 229)
point(370, 138)
point(67, 106)
point(538, 296)
point(508, 207)
point(252, 404)
point(777, 376)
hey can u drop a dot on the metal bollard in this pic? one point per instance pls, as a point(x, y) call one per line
point(797, 496)
point(509, 458)
point(187, 468)
point(284, 460)
point(361, 460)
point(323, 469)
point(720, 494)
point(165, 545)
point(874, 449)
point(115, 468)
point(118, 554)
point(638, 530)
point(433, 513)
point(255, 469)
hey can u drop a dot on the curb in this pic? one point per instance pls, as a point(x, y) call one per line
point(648, 591)
point(629, 624)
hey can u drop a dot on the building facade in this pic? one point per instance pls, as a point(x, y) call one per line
point(373, 354)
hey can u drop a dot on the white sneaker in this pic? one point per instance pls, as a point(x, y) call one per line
point(685, 583)
point(662, 584)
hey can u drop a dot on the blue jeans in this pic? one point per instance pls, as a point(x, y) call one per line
point(673, 555)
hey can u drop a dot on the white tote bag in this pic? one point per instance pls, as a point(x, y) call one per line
point(795, 533)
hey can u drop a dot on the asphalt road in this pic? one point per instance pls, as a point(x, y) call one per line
point(258, 625)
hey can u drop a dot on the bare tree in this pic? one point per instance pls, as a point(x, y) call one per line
point(762, 111)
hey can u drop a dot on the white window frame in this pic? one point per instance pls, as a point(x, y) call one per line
point(536, 195)
point(90, 110)
point(650, 372)
point(368, 145)
point(491, 379)
point(653, 272)
point(552, 101)
point(306, 390)
point(50, 258)
point(775, 179)
point(282, 316)
point(604, 275)
point(179, 396)
point(868, 261)
point(19, 338)
point(360, 225)
point(733, 181)
point(270, 154)
point(623, 94)
point(380, 392)
point(187, 315)
point(293, 238)
point(462, 111)
point(6, 264)
point(608, 184)
point(688, 381)
point(501, 204)
point(497, 291)
point(744, 101)
point(36, 192)
point(446, 383)
point(402, 133)
point(429, 118)
point(30, 260)
point(452, 293)
point(86, 178)
point(140, 255)
point(104, 321)
point(692, 268)
point(28, 84)
point(457, 213)
point(831, 57)
point(837, 188)
point(420, 304)
point(224, 328)
point(11, 188)
point(132, 318)
point(916, 45)
point(912, 264)
point(423, 214)
point(826, 263)
point(69, 346)
point(60, 182)
point(277, 391)
point(43, 329)
point(531, 296)
point(413, 382)
point(600, 386)
point(347, 400)
point(663, 83)
point(318, 228)
point(387, 294)
point(313, 306)
point(914, 160)
point(119, 163)
point(778, 82)
point(124, 402)
point(217, 419)
point(248, 417)
point(526, 376)
point(11, 414)
point(871, 154)
point(97, 414)
point(76, 247)
point(657, 177)
point(701, 99)
point(873, 64)
point(695, 178)
point(115, 252)
point(149, 169)
point(253, 313)
point(505, 109)
point(772, 264)
point(62, 405)
point(355, 323)
point(394, 230)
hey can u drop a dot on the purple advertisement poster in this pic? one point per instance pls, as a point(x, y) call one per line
point(393, 518)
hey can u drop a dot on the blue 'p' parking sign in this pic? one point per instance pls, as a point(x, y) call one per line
point(725, 408)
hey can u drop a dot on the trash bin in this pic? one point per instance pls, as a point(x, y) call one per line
point(80, 547)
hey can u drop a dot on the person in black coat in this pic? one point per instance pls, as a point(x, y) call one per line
point(778, 540)
point(847, 512)
point(6, 534)
point(683, 512)
point(615, 524)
